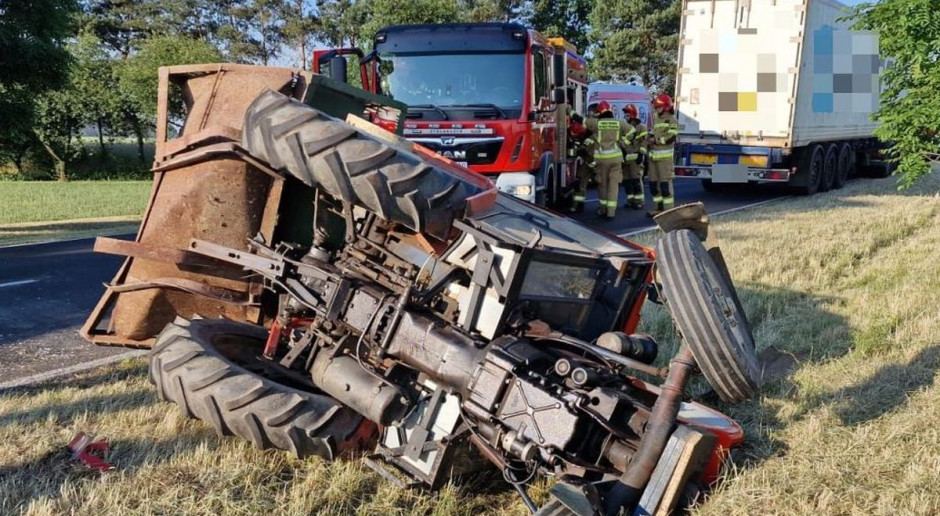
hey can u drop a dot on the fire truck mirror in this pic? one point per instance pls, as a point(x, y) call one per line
point(558, 95)
point(558, 71)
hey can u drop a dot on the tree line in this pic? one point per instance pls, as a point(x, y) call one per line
point(66, 65)
point(75, 64)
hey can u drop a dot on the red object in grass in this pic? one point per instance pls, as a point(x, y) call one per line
point(86, 450)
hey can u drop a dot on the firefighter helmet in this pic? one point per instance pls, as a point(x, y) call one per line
point(631, 111)
point(603, 107)
point(663, 102)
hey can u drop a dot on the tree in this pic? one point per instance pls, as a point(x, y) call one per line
point(254, 30)
point(137, 77)
point(910, 106)
point(59, 118)
point(495, 10)
point(566, 18)
point(32, 60)
point(341, 21)
point(636, 38)
point(394, 12)
point(93, 86)
point(300, 28)
point(121, 24)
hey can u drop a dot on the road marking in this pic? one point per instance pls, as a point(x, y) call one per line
point(78, 368)
point(18, 283)
point(722, 212)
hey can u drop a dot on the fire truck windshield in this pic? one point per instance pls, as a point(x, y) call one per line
point(453, 80)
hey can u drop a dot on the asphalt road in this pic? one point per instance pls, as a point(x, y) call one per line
point(687, 190)
point(47, 290)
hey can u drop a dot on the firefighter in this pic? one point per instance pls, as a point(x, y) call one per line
point(633, 157)
point(663, 138)
point(578, 138)
point(608, 133)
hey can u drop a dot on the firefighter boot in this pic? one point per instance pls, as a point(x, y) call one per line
point(577, 204)
point(663, 198)
point(659, 209)
point(657, 199)
point(636, 199)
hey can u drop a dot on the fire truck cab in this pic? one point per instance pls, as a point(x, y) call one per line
point(489, 96)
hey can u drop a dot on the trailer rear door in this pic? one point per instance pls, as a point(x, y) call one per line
point(738, 62)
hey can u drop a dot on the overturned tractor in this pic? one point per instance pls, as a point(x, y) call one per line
point(313, 283)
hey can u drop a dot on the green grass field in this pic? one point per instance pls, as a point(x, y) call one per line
point(847, 282)
point(50, 201)
point(36, 211)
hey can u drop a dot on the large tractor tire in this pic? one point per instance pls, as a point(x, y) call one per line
point(703, 304)
point(198, 365)
point(355, 167)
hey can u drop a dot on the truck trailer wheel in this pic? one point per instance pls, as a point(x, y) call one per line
point(846, 166)
point(810, 170)
point(355, 167)
point(702, 303)
point(830, 168)
point(198, 365)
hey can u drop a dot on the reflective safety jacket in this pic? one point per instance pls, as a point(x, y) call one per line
point(665, 131)
point(607, 134)
point(634, 142)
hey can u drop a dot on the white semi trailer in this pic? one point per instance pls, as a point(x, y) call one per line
point(777, 91)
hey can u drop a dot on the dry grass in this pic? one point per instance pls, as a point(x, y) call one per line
point(849, 282)
point(167, 464)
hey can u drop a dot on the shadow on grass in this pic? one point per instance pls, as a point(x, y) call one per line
point(65, 412)
point(44, 477)
point(791, 329)
point(122, 371)
point(886, 390)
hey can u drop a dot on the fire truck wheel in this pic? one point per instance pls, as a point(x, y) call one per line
point(199, 365)
point(702, 303)
point(353, 166)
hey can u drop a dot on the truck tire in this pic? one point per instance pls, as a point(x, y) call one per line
point(830, 168)
point(846, 167)
point(355, 167)
point(191, 365)
point(702, 304)
point(810, 170)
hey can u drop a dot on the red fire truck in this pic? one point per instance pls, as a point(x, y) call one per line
point(489, 96)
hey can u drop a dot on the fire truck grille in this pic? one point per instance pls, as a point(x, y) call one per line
point(473, 151)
